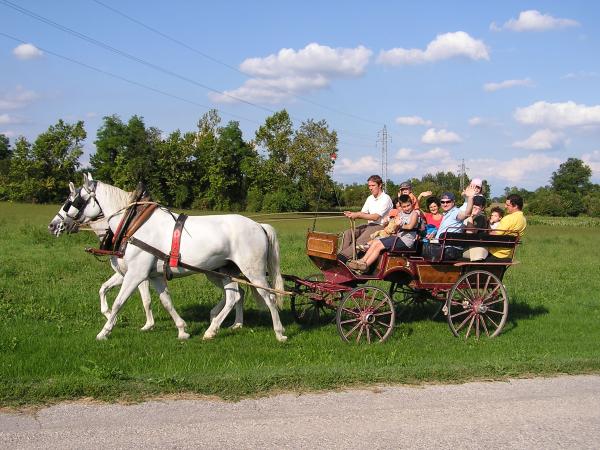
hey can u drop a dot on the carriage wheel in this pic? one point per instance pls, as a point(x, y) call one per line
point(309, 312)
point(477, 305)
point(410, 302)
point(366, 314)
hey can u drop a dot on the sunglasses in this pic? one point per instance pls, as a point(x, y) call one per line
point(445, 202)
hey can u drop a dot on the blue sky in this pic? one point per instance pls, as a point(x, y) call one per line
point(513, 88)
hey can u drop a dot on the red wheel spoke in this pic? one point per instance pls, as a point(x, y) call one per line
point(465, 296)
point(386, 313)
point(494, 311)
point(470, 287)
point(484, 325)
point(368, 334)
point(466, 311)
point(492, 320)
point(378, 334)
point(384, 324)
point(343, 322)
point(464, 321)
point(487, 282)
point(352, 330)
point(470, 325)
point(494, 302)
point(359, 333)
point(491, 294)
point(352, 312)
point(477, 323)
point(372, 299)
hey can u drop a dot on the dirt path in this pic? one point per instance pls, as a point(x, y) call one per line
point(535, 413)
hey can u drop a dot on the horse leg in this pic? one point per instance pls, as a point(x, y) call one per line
point(165, 298)
point(144, 289)
point(113, 281)
point(270, 301)
point(239, 305)
point(130, 283)
point(239, 310)
point(232, 295)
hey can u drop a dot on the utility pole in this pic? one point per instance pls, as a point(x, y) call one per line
point(462, 173)
point(382, 137)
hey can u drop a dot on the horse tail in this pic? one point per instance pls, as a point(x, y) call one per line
point(275, 278)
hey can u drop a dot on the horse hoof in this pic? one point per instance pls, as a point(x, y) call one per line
point(147, 327)
point(282, 338)
point(208, 336)
point(101, 337)
point(183, 336)
point(236, 326)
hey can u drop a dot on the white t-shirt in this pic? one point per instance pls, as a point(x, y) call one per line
point(381, 205)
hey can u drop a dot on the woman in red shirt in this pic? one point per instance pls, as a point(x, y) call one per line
point(434, 216)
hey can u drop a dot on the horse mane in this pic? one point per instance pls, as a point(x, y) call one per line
point(117, 197)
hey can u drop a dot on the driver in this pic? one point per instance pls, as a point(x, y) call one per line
point(376, 207)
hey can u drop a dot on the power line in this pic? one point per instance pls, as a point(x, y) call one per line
point(229, 66)
point(126, 55)
point(127, 80)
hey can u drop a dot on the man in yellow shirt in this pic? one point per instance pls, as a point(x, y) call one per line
point(513, 223)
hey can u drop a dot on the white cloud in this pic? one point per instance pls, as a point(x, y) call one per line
point(593, 160)
point(558, 115)
point(444, 46)
point(281, 76)
point(27, 51)
point(533, 20)
point(433, 136)
point(491, 87)
point(412, 120)
point(436, 153)
point(17, 99)
point(365, 164)
point(404, 167)
point(579, 75)
point(6, 119)
point(542, 140)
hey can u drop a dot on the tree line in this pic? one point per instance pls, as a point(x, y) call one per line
point(283, 168)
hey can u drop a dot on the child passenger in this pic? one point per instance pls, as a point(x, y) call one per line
point(406, 229)
point(496, 216)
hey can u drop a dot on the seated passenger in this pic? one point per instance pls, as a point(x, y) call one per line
point(476, 223)
point(433, 218)
point(376, 207)
point(496, 216)
point(451, 222)
point(514, 223)
point(406, 229)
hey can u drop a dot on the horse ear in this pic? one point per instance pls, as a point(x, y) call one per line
point(85, 178)
point(90, 177)
point(71, 187)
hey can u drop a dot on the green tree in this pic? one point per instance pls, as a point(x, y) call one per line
point(275, 137)
point(572, 176)
point(111, 141)
point(5, 151)
point(41, 172)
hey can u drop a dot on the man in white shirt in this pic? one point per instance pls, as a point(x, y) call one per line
point(376, 207)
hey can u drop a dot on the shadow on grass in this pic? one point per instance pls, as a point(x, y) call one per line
point(519, 310)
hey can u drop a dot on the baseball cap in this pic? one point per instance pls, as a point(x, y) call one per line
point(405, 185)
point(477, 182)
point(448, 196)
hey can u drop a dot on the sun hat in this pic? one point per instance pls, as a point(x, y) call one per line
point(477, 182)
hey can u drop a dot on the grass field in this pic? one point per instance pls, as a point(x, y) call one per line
point(49, 316)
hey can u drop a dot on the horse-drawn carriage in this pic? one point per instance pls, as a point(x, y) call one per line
point(471, 293)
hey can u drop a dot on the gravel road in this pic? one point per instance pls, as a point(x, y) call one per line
point(560, 412)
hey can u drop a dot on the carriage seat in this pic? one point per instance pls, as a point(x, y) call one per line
point(468, 240)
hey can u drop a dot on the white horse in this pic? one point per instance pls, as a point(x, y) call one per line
point(100, 227)
point(207, 242)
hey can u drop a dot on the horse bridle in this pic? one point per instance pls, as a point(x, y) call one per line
point(79, 203)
